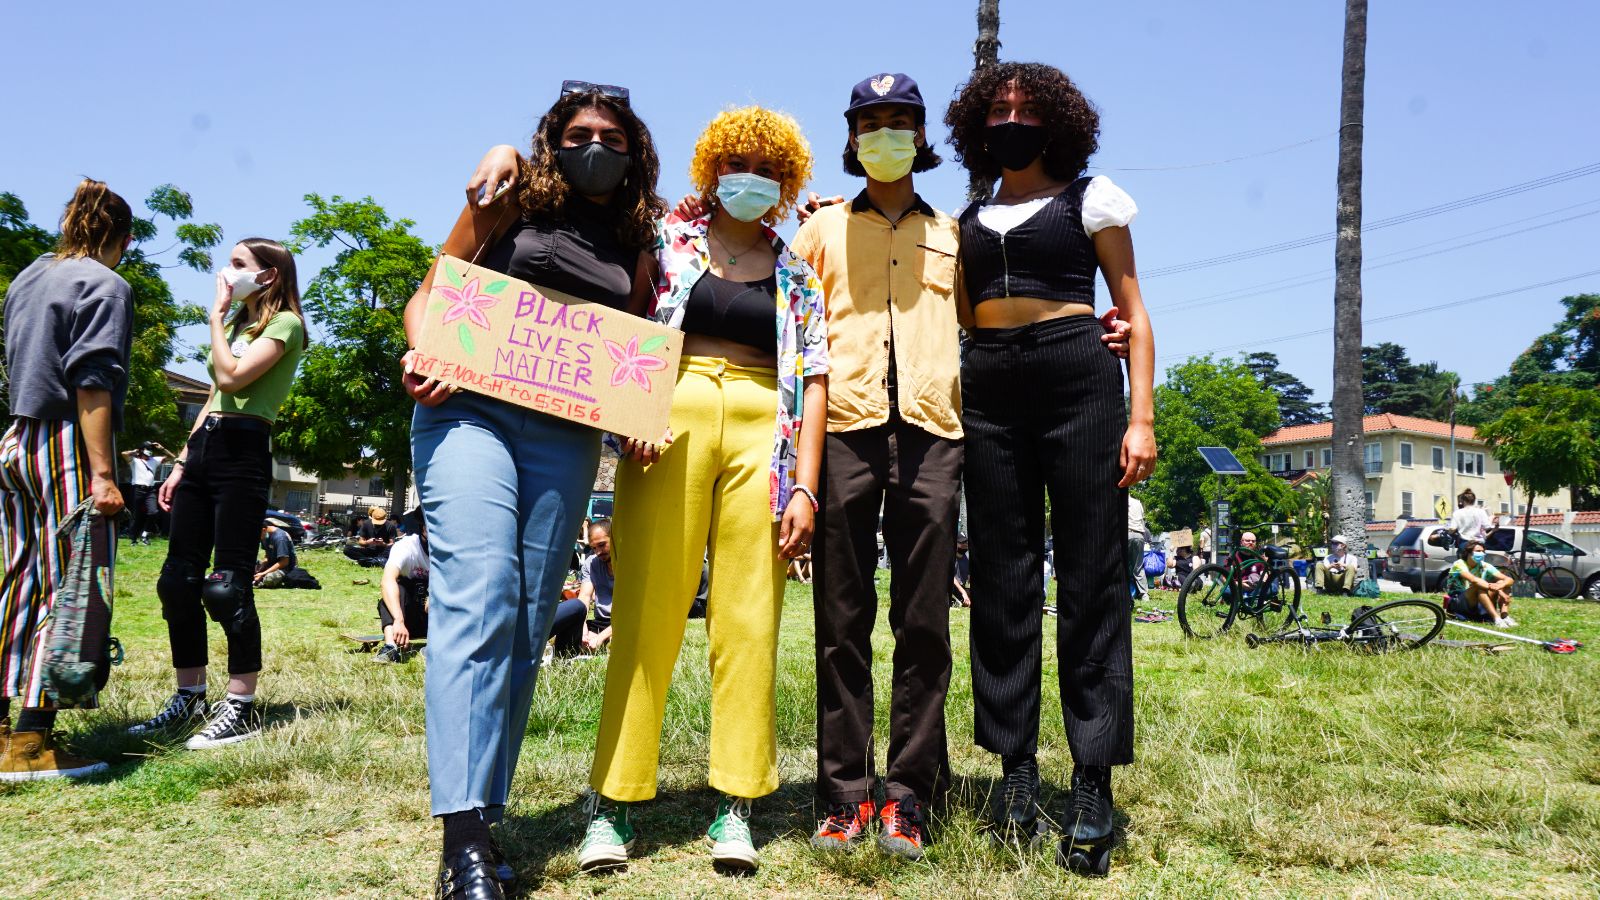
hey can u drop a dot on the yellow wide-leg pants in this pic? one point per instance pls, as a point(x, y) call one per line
point(710, 488)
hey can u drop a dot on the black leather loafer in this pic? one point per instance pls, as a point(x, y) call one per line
point(502, 869)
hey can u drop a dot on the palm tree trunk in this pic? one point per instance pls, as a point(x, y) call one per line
point(985, 52)
point(1349, 479)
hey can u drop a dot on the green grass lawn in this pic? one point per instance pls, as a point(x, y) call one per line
point(1269, 772)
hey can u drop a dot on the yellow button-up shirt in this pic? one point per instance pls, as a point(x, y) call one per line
point(890, 288)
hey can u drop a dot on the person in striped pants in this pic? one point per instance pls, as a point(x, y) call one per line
point(68, 329)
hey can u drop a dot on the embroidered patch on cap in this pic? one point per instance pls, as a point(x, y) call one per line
point(883, 84)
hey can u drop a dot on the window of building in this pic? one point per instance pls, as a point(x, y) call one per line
point(375, 486)
point(1405, 454)
point(1327, 457)
point(1438, 459)
point(1469, 463)
point(1370, 498)
point(1522, 508)
point(1505, 508)
point(1311, 457)
point(1372, 455)
point(297, 500)
point(1405, 504)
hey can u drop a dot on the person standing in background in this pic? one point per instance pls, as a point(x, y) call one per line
point(1138, 535)
point(143, 467)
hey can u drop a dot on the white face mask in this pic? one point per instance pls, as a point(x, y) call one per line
point(242, 281)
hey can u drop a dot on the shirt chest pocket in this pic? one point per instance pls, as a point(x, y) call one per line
point(938, 268)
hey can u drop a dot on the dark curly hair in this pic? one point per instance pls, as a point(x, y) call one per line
point(545, 189)
point(1071, 120)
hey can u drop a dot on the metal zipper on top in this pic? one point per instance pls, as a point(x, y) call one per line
point(1006, 261)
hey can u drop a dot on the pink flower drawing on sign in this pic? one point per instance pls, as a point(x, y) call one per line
point(467, 303)
point(633, 364)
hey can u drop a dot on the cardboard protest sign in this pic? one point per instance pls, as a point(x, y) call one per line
point(547, 351)
point(1183, 537)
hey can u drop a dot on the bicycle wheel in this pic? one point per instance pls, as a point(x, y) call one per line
point(1206, 602)
point(1401, 625)
point(1275, 604)
point(1558, 583)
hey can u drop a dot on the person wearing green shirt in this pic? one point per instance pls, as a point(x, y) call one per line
point(1480, 590)
point(218, 493)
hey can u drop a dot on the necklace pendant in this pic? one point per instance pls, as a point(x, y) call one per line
point(733, 260)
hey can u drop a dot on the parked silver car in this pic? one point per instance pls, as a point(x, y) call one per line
point(1416, 562)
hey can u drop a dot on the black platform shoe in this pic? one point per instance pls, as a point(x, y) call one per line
point(1086, 848)
point(469, 874)
point(1018, 818)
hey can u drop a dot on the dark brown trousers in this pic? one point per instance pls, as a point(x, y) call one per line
point(914, 478)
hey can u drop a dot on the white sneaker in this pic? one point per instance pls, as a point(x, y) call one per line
point(1510, 622)
point(1501, 623)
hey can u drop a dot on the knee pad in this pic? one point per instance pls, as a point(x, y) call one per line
point(178, 587)
point(229, 600)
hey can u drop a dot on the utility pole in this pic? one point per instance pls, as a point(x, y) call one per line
point(1349, 478)
point(985, 52)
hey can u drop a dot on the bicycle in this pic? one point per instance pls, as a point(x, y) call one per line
point(1393, 627)
point(1261, 585)
point(1541, 574)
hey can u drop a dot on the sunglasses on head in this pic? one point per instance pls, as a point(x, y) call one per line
point(615, 92)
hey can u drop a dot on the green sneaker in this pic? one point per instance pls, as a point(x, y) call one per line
point(609, 838)
point(730, 835)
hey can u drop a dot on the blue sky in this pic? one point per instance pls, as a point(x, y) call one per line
point(250, 108)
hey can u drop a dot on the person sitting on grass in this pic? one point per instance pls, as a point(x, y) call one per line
point(1477, 590)
point(573, 635)
point(374, 539)
point(280, 567)
point(403, 610)
point(1335, 573)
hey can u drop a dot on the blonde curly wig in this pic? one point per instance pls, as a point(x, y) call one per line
point(753, 129)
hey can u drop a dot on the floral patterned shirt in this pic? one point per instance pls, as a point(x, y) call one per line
point(802, 323)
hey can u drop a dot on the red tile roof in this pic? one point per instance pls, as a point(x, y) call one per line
point(1323, 431)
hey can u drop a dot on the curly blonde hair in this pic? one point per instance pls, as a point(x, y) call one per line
point(753, 129)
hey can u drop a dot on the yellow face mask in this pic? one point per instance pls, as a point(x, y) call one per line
point(887, 154)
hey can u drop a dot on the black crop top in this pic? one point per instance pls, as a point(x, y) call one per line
point(1048, 256)
point(577, 254)
point(739, 311)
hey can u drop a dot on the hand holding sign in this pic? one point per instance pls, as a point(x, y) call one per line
point(544, 350)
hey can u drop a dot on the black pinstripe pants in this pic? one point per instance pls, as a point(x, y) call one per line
point(1044, 411)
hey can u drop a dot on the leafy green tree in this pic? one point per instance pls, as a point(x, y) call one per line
point(1295, 406)
point(347, 407)
point(1567, 356)
point(1548, 439)
point(152, 408)
point(1392, 383)
point(1207, 402)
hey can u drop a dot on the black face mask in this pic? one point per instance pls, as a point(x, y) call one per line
point(1014, 145)
point(593, 168)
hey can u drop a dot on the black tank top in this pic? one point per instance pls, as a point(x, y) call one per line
point(576, 253)
point(1048, 256)
point(739, 311)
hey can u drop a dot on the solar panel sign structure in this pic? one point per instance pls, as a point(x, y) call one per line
point(1222, 461)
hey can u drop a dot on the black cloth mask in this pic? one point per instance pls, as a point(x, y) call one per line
point(593, 168)
point(1014, 145)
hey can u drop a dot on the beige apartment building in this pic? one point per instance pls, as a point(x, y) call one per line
point(1409, 463)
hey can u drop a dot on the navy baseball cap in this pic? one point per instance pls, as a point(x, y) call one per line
point(889, 87)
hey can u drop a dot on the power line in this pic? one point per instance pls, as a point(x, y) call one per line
point(1218, 162)
point(1261, 342)
point(1303, 281)
point(1377, 224)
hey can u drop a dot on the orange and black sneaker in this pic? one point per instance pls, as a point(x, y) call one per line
point(904, 832)
point(844, 825)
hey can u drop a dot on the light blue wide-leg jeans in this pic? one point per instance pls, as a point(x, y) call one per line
point(503, 490)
